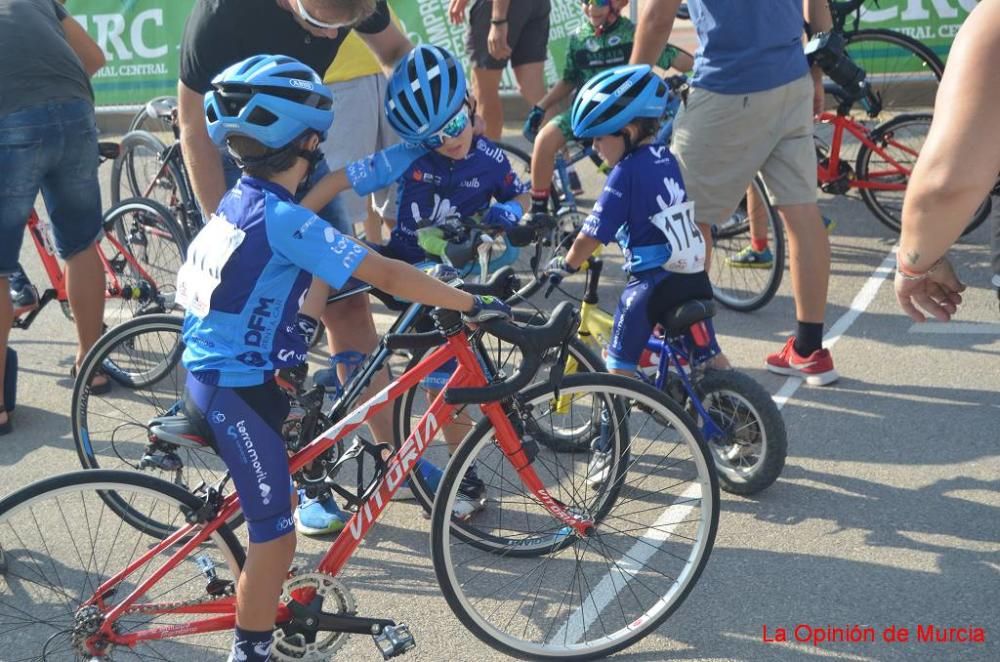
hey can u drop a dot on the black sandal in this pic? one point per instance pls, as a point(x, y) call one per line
point(6, 427)
point(95, 389)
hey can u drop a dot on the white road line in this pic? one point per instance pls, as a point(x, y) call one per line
point(958, 328)
point(644, 548)
point(625, 569)
point(862, 300)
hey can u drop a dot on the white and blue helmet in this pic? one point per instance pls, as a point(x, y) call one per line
point(427, 88)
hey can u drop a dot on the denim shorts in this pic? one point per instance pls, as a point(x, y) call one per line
point(52, 148)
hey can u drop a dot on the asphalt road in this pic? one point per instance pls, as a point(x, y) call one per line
point(887, 513)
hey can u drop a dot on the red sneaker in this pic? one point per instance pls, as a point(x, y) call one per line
point(816, 369)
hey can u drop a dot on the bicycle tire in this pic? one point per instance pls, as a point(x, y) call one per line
point(723, 393)
point(153, 226)
point(403, 417)
point(887, 206)
point(743, 289)
point(902, 71)
point(136, 165)
point(470, 603)
point(142, 358)
point(47, 579)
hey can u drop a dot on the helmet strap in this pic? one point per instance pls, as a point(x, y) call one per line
point(627, 137)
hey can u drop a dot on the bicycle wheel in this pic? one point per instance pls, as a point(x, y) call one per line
point(900, 140)
point(143, 247)
point(409, 407)
point(154, 237)
point(156, 123)
point(594, 595)
point(750, 453)
point(60, 543)
point(143, 360)
point(740, 287)
point(139, 172)
point(903, 72)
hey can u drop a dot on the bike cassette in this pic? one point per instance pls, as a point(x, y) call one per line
point(297, 641)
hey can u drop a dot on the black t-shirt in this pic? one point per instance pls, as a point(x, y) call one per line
point(219, 33)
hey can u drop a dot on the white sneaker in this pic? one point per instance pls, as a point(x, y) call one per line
point(599, 468)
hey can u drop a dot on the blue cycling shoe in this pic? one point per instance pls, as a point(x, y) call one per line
point(319, 517)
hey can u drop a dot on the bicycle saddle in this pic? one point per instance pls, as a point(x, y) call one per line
point(161, 107)
point(178, 430)
point(679, 319)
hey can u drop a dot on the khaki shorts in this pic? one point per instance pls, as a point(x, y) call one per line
point(722, 140)
point(359, 128)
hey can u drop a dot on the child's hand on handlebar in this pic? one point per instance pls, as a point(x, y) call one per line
point(503, 215)
point(556, 270)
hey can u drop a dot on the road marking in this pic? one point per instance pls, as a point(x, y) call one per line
point(862, 300)
point(958, 328)
point(625, 569)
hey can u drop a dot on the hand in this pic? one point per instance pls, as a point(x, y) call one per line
point(443, 272)
point(456, 11)
point(819, 94)
point(557, 269)
point(937, 292)
point(533, 123)
point(497, 42)
point(503, 215)
point(378, 170)
point(487, 308)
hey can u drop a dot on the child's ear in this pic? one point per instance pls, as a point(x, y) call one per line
point(311, 143)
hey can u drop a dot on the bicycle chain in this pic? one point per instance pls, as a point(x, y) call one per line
point(169, 606)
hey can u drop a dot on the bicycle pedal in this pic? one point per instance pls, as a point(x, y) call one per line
point(394, 640)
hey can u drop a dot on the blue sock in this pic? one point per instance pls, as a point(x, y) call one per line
point(250, 646)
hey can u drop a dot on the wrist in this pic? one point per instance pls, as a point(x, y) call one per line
point(498, 22)
point(911, 273)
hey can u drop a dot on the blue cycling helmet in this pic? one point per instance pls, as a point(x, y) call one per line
point(426, 89)
point(273, 99)
point(615, 97)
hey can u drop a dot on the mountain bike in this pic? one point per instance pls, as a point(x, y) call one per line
point(138, 267)
point(744, 290)
point(553, 569)
point(739, 420)
point(141, 426)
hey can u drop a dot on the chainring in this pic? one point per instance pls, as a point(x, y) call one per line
point(334, 598)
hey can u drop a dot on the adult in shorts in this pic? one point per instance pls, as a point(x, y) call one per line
point(751, 110)
point(48, 143)
point(502, 31)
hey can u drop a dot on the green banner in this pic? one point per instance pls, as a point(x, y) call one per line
point(932, 22)
point(141, 41)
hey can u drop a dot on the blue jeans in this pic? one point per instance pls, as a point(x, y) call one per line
point(52, 148)
point(334, 213)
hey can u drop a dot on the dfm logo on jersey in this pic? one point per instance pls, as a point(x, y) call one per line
point(256, 326)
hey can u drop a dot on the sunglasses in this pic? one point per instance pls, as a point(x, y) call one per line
point(305, 16)
point(453, 128)
point(597, 3)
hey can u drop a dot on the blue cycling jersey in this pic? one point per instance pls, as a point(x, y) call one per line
point(244, 278)
point(437, 188)
point(645, 208)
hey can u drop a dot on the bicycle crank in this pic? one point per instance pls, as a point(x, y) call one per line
point(302, 639)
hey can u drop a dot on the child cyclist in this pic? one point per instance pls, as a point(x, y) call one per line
point(461, 175)
point(603, 41)
point(242, 282)
point(644, 207)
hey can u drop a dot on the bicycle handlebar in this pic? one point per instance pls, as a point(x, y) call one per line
point(533, 341)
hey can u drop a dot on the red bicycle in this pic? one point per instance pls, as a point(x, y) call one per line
point(884, 163)
point(560, 564)
point(140, 266)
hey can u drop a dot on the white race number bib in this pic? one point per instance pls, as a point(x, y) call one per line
point(201, 273)
point(688, 246)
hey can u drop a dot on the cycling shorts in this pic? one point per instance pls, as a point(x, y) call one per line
point(644, 302)
point(245, 425)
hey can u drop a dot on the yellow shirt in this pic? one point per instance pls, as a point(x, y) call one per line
point(354, 59)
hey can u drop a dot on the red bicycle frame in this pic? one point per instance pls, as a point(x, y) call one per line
point(469, 374)
point(832, 172)
point(46, 252)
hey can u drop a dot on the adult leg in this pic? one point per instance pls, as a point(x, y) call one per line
point(486, 87)
point(543, 157)
point(531, 81)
